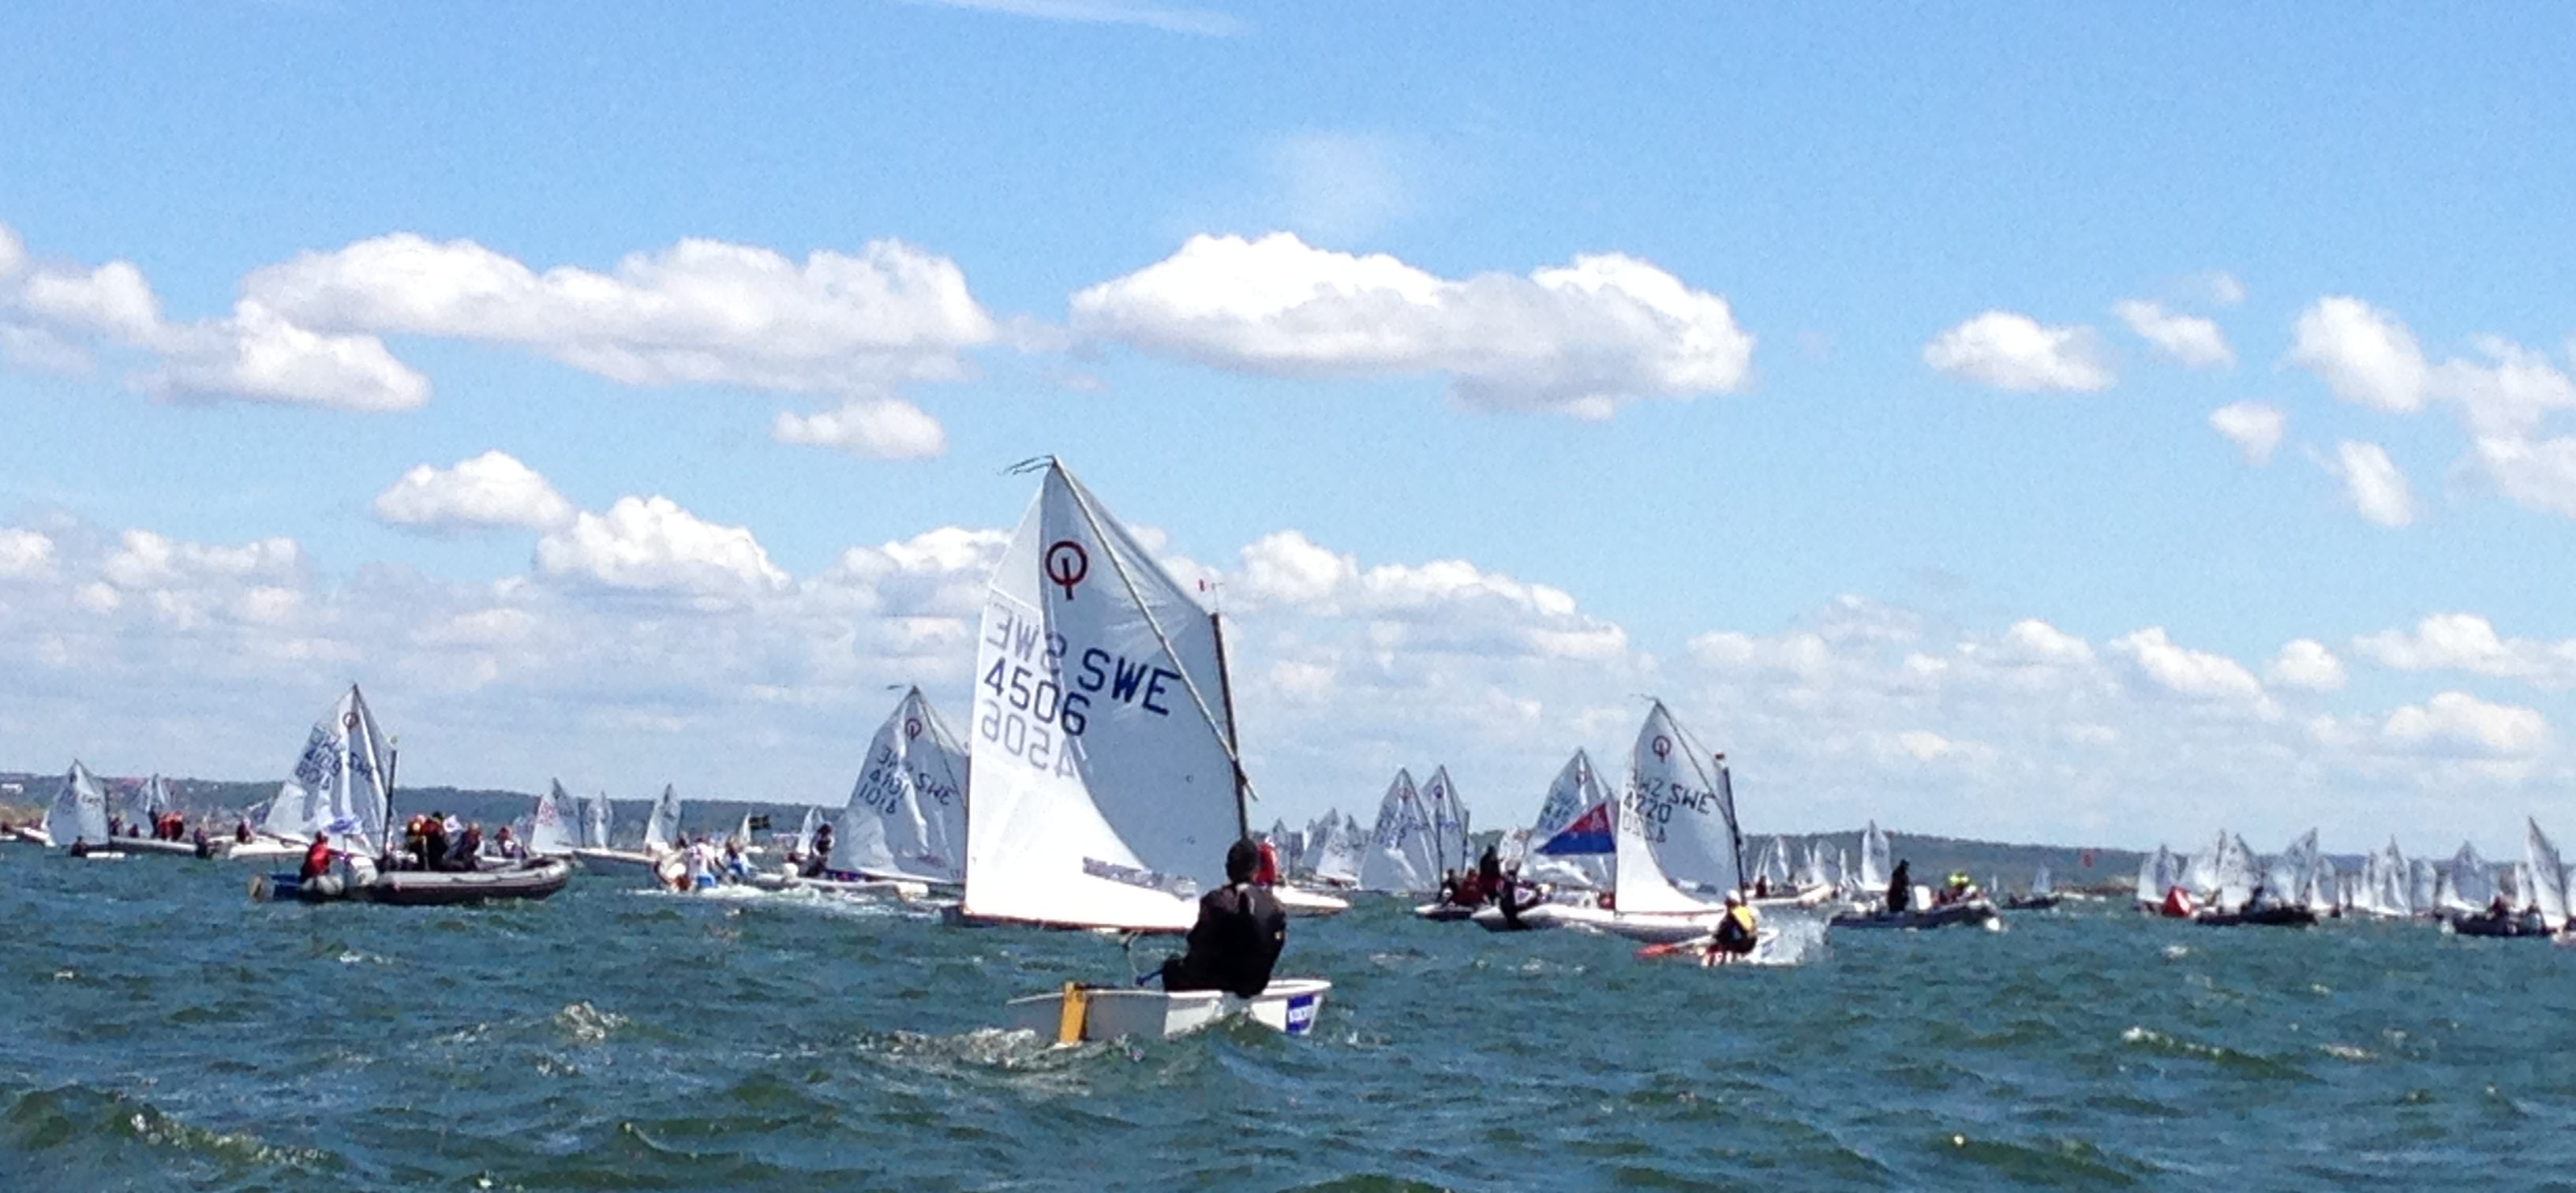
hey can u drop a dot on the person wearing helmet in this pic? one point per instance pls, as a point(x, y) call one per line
point(1737, 931)
point(1237, 939)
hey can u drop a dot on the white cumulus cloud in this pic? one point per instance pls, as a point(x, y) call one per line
point(651, 543)
point(2306, 663)
point(2460, 721)
point(2008, 350)
point(2373, 483)
point(875, 428)
point(2253, 427)
point(2188, 340)
point(2187, 672)
point(2470, 643)
point(490, 490)
point(1581, 339)
point(699, 311)
point(2365, 355)
point(24, 553)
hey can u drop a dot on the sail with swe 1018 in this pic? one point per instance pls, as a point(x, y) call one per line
point(1104, 789)
point(907, 815)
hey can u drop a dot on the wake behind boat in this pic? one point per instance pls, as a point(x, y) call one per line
point(1106, 788)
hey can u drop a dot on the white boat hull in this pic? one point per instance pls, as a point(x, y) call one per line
point(611, 858)
point(1546, 915)
point(1287, 1005)
point(1302, 903)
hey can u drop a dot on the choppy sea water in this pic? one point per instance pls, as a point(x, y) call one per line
point(160, 1031)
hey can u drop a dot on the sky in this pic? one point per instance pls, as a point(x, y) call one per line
point(2029, 422)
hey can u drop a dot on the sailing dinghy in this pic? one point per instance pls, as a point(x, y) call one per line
point(902, 832)
point(1106, 786)
point(661, 837)
point(77, 819)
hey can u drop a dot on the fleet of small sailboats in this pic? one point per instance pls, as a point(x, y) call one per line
point(1098, 785)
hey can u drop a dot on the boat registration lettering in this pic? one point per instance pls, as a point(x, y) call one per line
point(1301, 1014)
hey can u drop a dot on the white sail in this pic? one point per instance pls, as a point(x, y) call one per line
point(2041, 883)
point(907, 815)
point(2285, 880)
point(2236, 871)
point(2473, 883)
point(1874, 859)
point(2200, 871)
point(339, 785)
point(79, 810)
point(595, 821)
point(1105, 789)
point(806, 828)
point(2423, 886)
point(1576, 789)
point(1638, 884)
point(1679, 798)
point(550, 829)
point(2548, 890)
point(1338, 860)
point(1448, 822)
point(151, 802)
point(662, 824)
point(1399, 857)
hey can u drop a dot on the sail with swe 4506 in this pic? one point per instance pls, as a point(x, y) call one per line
point(1104, 787)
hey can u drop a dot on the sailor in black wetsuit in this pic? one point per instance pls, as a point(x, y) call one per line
point(1900, 890)
point(1239, 934)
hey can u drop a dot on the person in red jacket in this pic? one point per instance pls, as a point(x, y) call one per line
point(1267, 873)
point(317, 858)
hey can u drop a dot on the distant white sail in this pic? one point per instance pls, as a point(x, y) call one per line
point(1874, 859)
point(1678, 797)
point(550, 829)
point(595, 821)
point(2040, 882)
point(1339, 858)
point(1105, 788)
point(1399, 858)
point(339, 782)
point(1811, 866)
point(1448, 822)
point(2237, 873)
point(2548, 876)
point(2158, 874)
point(151, 802)
point(907, 816)
point(2285, 880)
point(662, 824)
point(1576, 790)
point(79, 810)
point(2473, 883)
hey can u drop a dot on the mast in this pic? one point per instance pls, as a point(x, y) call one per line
point(1726, 798)
point(1234, 755)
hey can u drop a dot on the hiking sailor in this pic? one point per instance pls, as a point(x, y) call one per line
point(1238, 935)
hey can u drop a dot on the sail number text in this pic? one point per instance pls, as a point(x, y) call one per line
point(1028, 705)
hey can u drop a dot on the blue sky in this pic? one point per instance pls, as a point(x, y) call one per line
point(1888, 413)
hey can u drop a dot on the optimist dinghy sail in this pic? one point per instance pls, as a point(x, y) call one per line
point(1683, 805)
point(550, 829)
point(907, 816)
point(2473, 883)
point(2548, 890)
point(1400, 857)
point(662, 825)
point(595, 821)
point(79, 810)
point(340, 782)
point(1338, 857)
point(151, 802)
point(1448, 822)
point(1874, 861)
point(1105, 785)
point(1571, 858)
